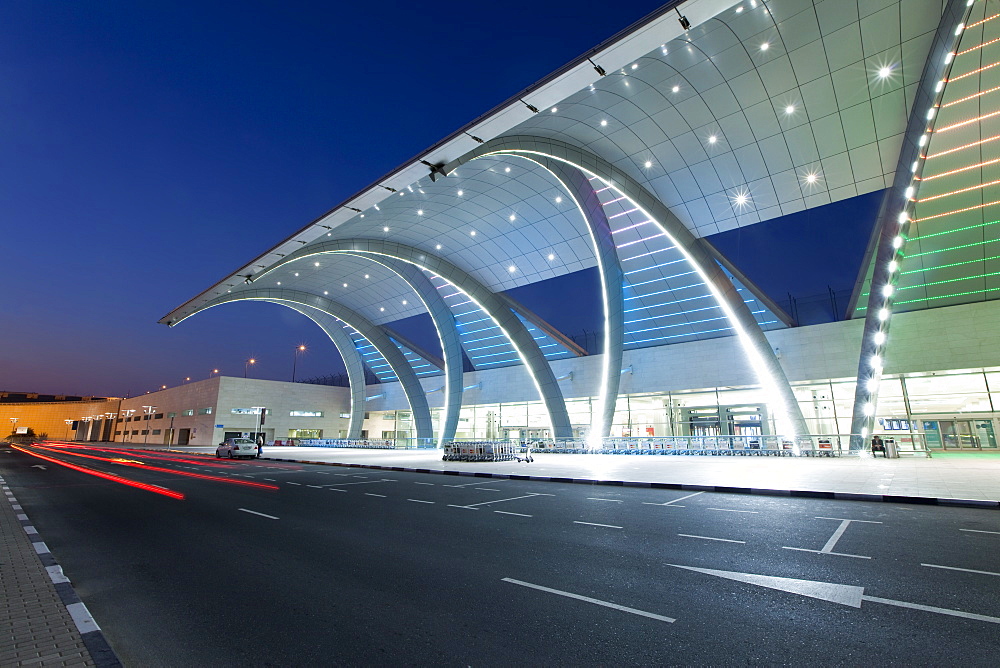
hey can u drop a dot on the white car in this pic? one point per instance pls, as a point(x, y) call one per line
point(236, 447)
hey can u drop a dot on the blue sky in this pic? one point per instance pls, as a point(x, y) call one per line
point(150, 148)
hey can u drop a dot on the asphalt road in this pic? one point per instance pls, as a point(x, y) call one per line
point(331, 565)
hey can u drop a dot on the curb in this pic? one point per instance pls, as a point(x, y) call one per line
point(800, 493)
point(90, 632)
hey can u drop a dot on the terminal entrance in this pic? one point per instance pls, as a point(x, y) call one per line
point(744, 420)
point(972, 434)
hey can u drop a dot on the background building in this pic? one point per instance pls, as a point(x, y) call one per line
point(677, 180)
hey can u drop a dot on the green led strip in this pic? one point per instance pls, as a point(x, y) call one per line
point(957, 229)
point(957, 294)
point(950, 280)
point(945, 250)
point(953, 264)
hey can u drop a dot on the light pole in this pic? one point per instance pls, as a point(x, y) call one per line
point(214, 372)
point(86, 420)
point(188, 379)
point(247, 365)
point(148, 410)
point(69, 423)
point(295, 358)
point(128, 414)
point(13, 425)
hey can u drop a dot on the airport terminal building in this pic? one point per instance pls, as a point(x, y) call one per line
point(678, 175)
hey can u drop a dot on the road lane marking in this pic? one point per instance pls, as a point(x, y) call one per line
point(334, 489)
point(836, 554)
point(487, 489)
point(515, 498)
point(929, 608)
point(366, 482)
point(964, 570)
point(378, 495)
point(832, 542)
point(504, 512)
point(269, 479)
point(295, 483)
point(591, 498)
point(419, 501)
point(981, 531)
point(315, 486)
point(730, 510)
point(423, 483)
point(254, 512)
point(321, 472)
point(481, 482)
point(592, 524)
point(450, 505)
point(722, 540)
point(587, 599)
point(670, 503)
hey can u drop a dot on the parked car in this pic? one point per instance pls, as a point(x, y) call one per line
point(236, 447)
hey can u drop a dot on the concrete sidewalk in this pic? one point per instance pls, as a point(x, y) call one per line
point(44, 623)
point(948, 478)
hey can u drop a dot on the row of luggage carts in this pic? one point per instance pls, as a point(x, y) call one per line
point(722, 447)
point(368, 443)
point(487, 451)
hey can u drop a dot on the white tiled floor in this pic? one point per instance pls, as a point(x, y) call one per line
point(960, 476)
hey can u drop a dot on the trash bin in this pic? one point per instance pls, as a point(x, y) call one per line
point(890, 449)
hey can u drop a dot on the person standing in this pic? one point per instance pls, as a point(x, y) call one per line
point(260, 445)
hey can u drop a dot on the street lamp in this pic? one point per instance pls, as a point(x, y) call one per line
point(13, 425)
point(188, 379)
point(214, 372)
point(295, 358)
point(247, 365)
point(148, 410)
point(69, 423)
point(128, 414)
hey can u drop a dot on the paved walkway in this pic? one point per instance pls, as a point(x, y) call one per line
point(946, 476)
point(36, 601)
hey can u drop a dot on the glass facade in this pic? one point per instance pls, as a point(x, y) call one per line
point(948, 410)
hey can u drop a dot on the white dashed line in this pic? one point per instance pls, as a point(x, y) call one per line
point(592, 524)
point(730, 510)
point(315, 486)
point(504, 512)
point(254, 512)
point(721, 540)
point(590, 498)
point(295, 483)
point(487, 489)
point(587, 599)
point(334, 489)
point(964, 570)
point(419, 501)
point(670, 503)
point(423, 483)
point(378, 495)
point(980, 531)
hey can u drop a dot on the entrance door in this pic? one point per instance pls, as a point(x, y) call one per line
point(959, 435)
point(183, 436)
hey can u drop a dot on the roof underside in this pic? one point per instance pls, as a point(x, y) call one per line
point(723, 130)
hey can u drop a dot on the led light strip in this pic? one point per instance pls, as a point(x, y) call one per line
point(975, 71)
point(958, 170)
point(949, 213)
point(955, 294)
point(977, 23)
point(946, 266)
point(973, 48)
point(958, 192)
point(949, 280)
point(961, 148)
point(966, 122)
point(974, 95)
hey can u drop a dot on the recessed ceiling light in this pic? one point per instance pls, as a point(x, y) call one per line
point(555, 109)
point(512, 269)
point(884, 72)
point(604, 123)
point(472, 233)
point(765, 46)
point(461, 192)
point(675, 89)
point(811, 177)
point(345, 285)
point(385, 229)
point(381, 308)
point(551, 256)
point(438, 247)
point(558, 200)
point(512, 217)
point(367, 276)
point(506, 170)
point(648, 163)
point(420, 212)
point(741, 199)
point(404, 302)
point(296, 273)
point(790, 109)
point(713, 139)
point(279, 282)
point(635, 65)
point(315, 264)
point(739, 10)
point(325, 292)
